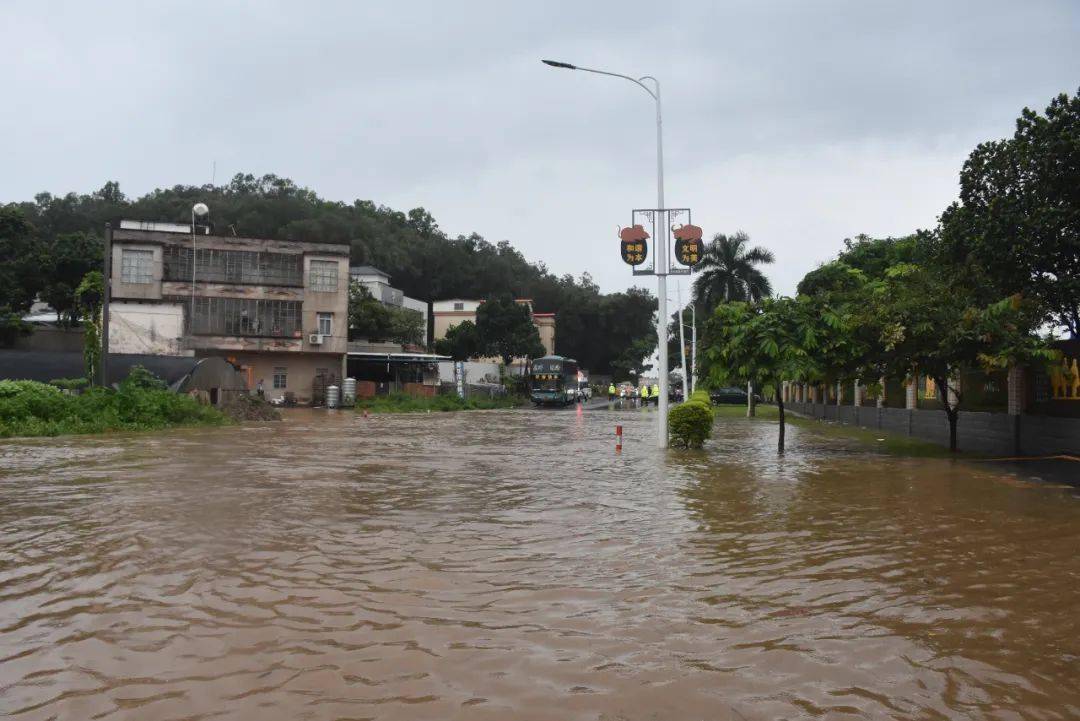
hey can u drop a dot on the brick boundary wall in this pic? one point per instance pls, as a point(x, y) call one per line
point(999, 434)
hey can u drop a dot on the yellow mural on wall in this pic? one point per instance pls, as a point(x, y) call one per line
point(1065, 381)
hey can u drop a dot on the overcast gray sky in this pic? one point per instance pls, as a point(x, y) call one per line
point(800, 123)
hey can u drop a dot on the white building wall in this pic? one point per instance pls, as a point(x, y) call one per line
point(147, 328)
point(475, 372)
point(420, 307)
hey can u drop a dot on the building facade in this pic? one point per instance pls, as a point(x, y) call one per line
point(378, 284)
point(449, 313)
point(278, 309)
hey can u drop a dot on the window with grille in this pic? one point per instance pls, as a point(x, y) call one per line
point(281, 378)
point(324, 276)
point(246, 317)
point(459, 306)
point(137, 266)
point(326, 324)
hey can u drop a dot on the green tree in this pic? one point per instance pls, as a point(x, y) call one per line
point(505, 329)
point(368, 318)
point(90, 296)
point(406, 326)
point(461, 342)
point(729, 271)
point(22, 273)
point(69, 258)
point(1018, 219)
point(630, 364)
point(931, 320)
point(767, 343)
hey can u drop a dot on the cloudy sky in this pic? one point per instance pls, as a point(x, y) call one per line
point(800, 123)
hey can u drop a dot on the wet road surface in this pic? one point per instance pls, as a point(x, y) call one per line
point(508, 565)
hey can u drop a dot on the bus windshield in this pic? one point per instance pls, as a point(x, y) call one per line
point(547, 366)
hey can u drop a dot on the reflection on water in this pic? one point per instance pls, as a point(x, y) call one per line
point(508, 564)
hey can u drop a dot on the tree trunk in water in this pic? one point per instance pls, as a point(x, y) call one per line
point(953, 415)
point(780, 407)
point(750, 409)
point(952, 412)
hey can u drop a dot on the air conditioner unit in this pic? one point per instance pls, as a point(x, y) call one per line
point(315, 339)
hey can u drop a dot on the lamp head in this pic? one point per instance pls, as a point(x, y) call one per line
point(557, 64)
point(200, 209)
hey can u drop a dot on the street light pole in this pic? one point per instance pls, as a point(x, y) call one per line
point(200, 210)
point(661, 243)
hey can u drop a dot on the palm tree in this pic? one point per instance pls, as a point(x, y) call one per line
point(728, 272)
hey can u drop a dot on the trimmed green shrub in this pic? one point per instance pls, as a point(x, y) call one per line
point(701, 396)
point(690, 424)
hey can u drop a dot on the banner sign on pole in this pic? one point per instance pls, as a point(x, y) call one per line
point(662, 225)
point(634, 245)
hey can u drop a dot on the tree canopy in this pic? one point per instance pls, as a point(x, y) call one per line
point(766, 343)
point(373, 320)
point(505, 329)
point(729, 271)
point(461, 342)
point(1017, 222)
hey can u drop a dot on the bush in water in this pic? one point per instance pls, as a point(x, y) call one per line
point(689, 424)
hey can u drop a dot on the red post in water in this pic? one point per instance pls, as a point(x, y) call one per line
point(618, 439)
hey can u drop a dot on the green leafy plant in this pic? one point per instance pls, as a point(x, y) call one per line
point(28, 408)
point(690, 424)
point(90, 296)
point(69, 384)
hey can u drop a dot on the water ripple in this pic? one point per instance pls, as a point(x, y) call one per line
point(509, 564)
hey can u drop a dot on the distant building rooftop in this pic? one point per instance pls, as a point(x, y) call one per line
point(161, 227)
point(367, 270)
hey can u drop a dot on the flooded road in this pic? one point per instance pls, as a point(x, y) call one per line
point(508, 565)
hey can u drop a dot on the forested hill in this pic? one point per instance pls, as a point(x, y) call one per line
point(603, 331)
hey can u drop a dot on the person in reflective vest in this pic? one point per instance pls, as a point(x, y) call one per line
point(656, 394)
point(645, 395)
point(611, 392)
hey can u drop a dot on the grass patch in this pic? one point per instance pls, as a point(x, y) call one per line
point(28, 408)
point(892, 444)
point(404, 403)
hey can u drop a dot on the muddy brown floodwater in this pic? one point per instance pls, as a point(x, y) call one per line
point(508, 565)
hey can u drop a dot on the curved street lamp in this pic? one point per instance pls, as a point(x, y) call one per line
point(661, 248)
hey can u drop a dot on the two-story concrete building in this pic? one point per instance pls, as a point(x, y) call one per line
point(276, 308)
